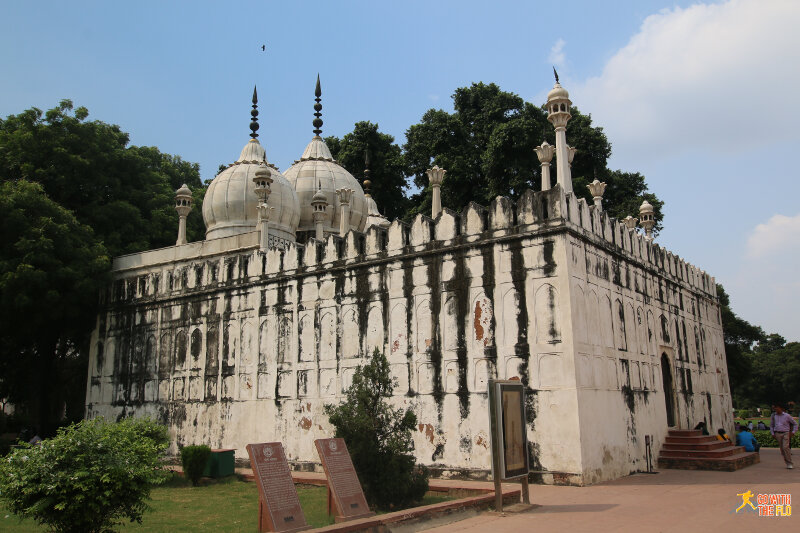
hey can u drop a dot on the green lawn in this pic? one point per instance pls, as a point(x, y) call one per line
point(228, 505)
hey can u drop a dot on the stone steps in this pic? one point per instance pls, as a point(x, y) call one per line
point(691, 450)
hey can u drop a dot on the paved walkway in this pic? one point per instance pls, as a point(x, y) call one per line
point(682, 501)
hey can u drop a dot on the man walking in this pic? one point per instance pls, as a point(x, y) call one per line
point(782, 426)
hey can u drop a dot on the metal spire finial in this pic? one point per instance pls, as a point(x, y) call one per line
point(317, 108)
point(556, 73)
point(254, 115)
point(367, 182)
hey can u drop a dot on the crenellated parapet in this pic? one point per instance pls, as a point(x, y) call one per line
point(213, 263)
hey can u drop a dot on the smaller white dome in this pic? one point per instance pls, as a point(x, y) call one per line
point(557, 92)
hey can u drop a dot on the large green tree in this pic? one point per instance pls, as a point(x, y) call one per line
point(125, 193)
point(386, 161)
point(51, 268)
point(486, 145)
point(74, 195)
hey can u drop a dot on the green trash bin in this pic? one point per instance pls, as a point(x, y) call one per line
point(220, 463)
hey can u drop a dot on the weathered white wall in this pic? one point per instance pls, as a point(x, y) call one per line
point(231, 347)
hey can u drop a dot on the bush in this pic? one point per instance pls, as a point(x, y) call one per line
point(194, 459)
point(766, 440)
point(90, 477)
point(379, 437)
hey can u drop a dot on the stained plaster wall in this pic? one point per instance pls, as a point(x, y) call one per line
point(229, 346)
point(633, 302)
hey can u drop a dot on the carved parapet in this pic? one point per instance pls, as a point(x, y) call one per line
point(354, 241)
point(474, 219)
point(310, 252)
point(572, 208)
point(446, 226)
point(376, 240)
point(584, 216)
point(398, 237)
point(421, 230)
point(501, 213)
point(526, 212)
point(273, 261)
point(293, 257)
point(333, 249)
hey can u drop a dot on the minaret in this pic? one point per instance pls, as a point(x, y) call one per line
point(558, 104)
point(545, 154)
point(344, 220)
point(436, 175)
point(254, 115)
point(183, 204)
point(319, 206)
point(596, 189)
point(646, 219)
point(262, 181)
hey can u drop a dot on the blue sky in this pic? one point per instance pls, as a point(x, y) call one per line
point(700, 97)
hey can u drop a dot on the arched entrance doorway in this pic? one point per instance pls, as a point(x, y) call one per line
point(669, 389)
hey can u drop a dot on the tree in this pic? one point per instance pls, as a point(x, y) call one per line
point(379, 437)
point(92, 476)
point(486, 146)
point(739, 337)
point(126, 194)
point(387, 165)
point(51, 269)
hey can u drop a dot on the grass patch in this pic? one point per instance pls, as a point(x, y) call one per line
point(229, 504)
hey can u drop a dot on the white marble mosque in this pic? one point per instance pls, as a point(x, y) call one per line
point(245, 336)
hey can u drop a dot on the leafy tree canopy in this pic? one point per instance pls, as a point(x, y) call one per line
point(486, 146)
point(126, 194)
point(386, 161)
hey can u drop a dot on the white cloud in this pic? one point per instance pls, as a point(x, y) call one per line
point(779, 234)
point(557, 56)
point(719, 77)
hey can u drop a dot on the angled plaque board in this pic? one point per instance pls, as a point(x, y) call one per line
point(278, 504)
point(344, 489)
point(509, 436)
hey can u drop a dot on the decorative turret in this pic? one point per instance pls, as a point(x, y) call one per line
point(646, 219)
point(319, 206)
point(436, 175)
point(558, 104)
point(183, 205)
point(545, 154)
point(596, 189)
point(262, 181)
point(344, 200)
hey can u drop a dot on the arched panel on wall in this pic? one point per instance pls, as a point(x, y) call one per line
point(180, 350)
point(138, 355)
point(107, 367)
point(248, 350)
point(285, 336)
point(606, 322)
point(612, 374)
point(327, 343)
point(579, 313)
point(482, 318)
point(481, 375)
point(424, 326)
point(599, 371)
point(374, 329)
point(150, 362)
point(548, 315)
point(97, 369)
point(510, 313)
point(398, 339)
point(450, 318)
point(594, 334)
point(620, 337)
point(697, 346)
point(230, 347)
point(196, 347)
point(400, 378)
point(267, 343)
point(651, 333)
point(630, 328)
point(641, 330)
point(307, 350)
point(677, 329)
point(550, 371)
point(165, 355)
point(665, 338)
point(703, 343)
point(350, 333)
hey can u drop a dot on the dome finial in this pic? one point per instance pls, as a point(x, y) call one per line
point(555, 73)
point(367, 182)
point(254, 115)
point(317, 108)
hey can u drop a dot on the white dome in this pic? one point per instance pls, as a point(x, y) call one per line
point(230, 203)
point(557, 92)
point(317, 172)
